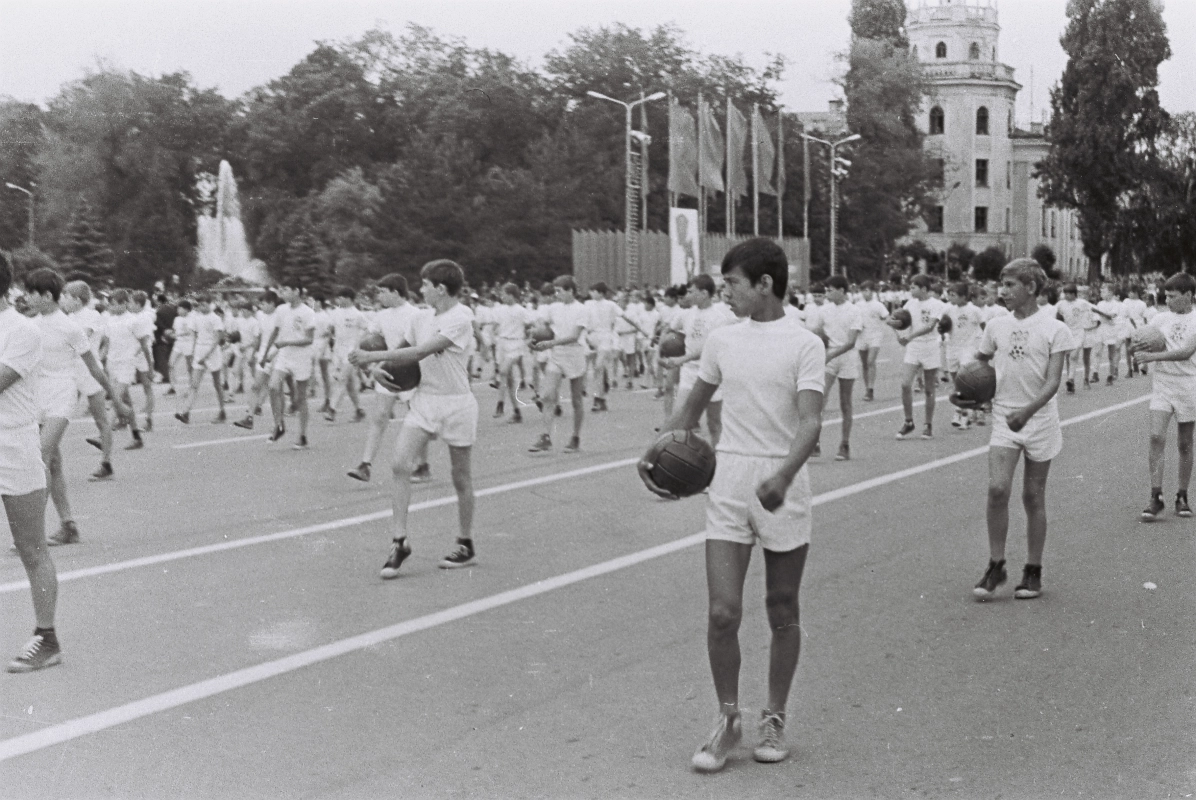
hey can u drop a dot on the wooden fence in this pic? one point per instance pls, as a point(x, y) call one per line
point(598, 256)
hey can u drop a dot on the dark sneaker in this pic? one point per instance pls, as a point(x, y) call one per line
point(246, 423)
point(869, 396)
point(184, 417)
point(330, 415)
point(220, 418)
point(1109, 381)
point(516, 418)
point(67, 533)
point(772, 738)
point(844, 453)
point(462, 556)
point(927, 431)
point(359, 415)
point(1071, 386)
point(301, 444)
point(104, 473)
point(361, 472)
point(1096, 377)
point(994, 576)
point(1182, 509)
point(498, 411)
point(96, 443)
point(1031, 585)
point(907, 430)
point(136, 444)
point(38, 654)
point(279, 432)
point(1155, 509)
point(817, 451)
point(558, 411)
point(542, 445)
point(712, 756)
point(421, 474)
point(149, 424)
point(574, 445)
point(398, 554)
point(257, 411)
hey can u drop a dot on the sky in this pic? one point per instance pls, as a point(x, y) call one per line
point(233, 46)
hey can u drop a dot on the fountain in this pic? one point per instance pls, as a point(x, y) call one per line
point(222, 244)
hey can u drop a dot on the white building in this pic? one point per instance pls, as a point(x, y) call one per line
point(989, 196)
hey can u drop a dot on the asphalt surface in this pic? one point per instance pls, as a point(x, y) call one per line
point(226, 634)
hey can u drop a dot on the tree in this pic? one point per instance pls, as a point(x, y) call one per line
point(882, 20)
point(26, 259)
point(304, 267)
point(20, 138)
point(85, 253)
point(1045, 257)
point(987, 265)
point(1105, 115)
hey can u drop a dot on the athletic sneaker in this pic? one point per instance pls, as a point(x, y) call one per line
point(542, 445)
point(104, 473)
point(994, 576)
point(462, 556)
point(599, 405)
point(96, 443)
point(1096, 377)
point(301, 444)
point(958, 418)
point(359, 415)
point(498, 410)
point(927, 431)
point(868, 395)
point(712, 756)
point(1155, 509)
point(907, 430)
point(1031, 585)
point(136, 444)
point(220, 418)
point(398, 554)
point(38, 654)
point(67, 533)
point(574, 445)
point(246, 423)
point(772, 738)
point(1181, 506)
point(844, 453)
point(558, 411)
point(184, 417)
point(1109, 381)
point(361, 472)
point(421, 474)
point(1071, 386)
point(817, 451)
point(279, 432)
point(516, 418)
point(330, 415)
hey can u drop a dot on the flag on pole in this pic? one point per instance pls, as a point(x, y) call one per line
point(737, 184)
point(683, 151)
point(766, 154)
point(710, 156)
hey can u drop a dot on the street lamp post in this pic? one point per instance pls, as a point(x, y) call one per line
point(26, 191)
point(837, 164)
point(630, 242)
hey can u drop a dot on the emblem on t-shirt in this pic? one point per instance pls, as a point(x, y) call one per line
point(1017, 344)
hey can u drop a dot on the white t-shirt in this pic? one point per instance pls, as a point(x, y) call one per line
point(1177, 329)
point(92, 323)
point(965, 327)
point(63, 342)
point(812, 316)
point(293, 323)
point(698, 326)
point(510, 321)
point(874, 314)
point(1113, 308)
point(566, 319)
point(760, 367)
point(446, 372)
point(20, 351)
point(1076, 315)
point(125, 332)
point(249, 328)
point(184, 332)
point(396, 324)
point(1021, 351)
point(923, 313)
point(208, 328)
point(323, 325)
point(269, 322)
point(603, 314)
point(838, 321)
point(349, 324)
point(1135, 311)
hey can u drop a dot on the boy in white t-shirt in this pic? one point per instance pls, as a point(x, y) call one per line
point(1076, 314)
point(922, 354)
point(965, 333)
point(568, 319)
point(208, 358)
point(1173, 392)
point(1027, 349)
point(511, 323)
point(842, 324)
point(182, 334)
point(772, 375)
point(872, 338)
point(130, 337)
point(1134, 309)
point(1113, 325)
point(75, 300)
point(264, 317)
point(442, 406)
point(294, 335)
point(349, 325)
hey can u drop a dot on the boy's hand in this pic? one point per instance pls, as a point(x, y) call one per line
point(962, 402)
point(771, 493)
point(644, 467)
point(1016, 420)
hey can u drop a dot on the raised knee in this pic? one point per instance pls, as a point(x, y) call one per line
point(725, 617)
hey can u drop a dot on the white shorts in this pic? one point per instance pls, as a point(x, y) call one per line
point(1114, 334)
point(569, 361)
point(122, 372)
point(734, 513)
point(1041, 437)
point(627, 343)
point(959, 357)
point(295, 361)
point(870, 340)
point(508, 350)
point(1174, 394)
point(85, 384)
point(21, 468)
point(1093, 338)
point(452, 417)
point(56, 397)
point(845, 367)
point(213, 363)
point(320, 350)
point(687, 379)
point(926, 354)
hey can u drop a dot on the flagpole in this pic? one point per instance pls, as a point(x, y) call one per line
point(727, 193)
point(701, 185)
point(643, 164)
point(755, 172)
point(669, 193)
point(780, 175)
point(805, 185)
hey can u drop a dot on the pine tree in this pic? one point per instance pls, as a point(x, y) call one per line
point(304, 265)
point(86, 255)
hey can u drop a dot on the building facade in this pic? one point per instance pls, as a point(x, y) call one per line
point(989, 196)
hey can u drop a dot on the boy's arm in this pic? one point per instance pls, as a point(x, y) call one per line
point(683, 419)
point(809, 413)
point(1178, 354)
point(1017, 419)
point(852, 335)
point(403, 355)
point(145, 342)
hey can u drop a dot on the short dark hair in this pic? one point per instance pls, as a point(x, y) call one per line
point(924, 281)
point(1181, 282)
point(756, 258)
point(818, 287)
point(600, 287)
point(45, 280)
point(959, 288)
point(270, 296)
point(140, 297)
point(394, 282)
point(1026, 271)
point(1070, 288)
point(703, 283)
point(836, 282)
point(565, 282)
point(118, 296)
point(79, 290)
point(868, 286)
point(511, 289)
point(547, 289)
point(346, 291)
point(444, 272)
point(185, 304)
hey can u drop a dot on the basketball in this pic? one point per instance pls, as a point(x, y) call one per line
point(945, 324)
point(542, 333)
point(372, 342)
point(234, 337)
point(672, 345)
point(976, 382)
point(393, 377)
point(682, 463)
point(902, 319)
point(1149, 339)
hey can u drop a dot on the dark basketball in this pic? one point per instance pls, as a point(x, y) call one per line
point(902, 319)
point(976, 382)
point(393, 377)
point(1150, 339)
point(372, 342)
point(945, 324)
point(542, 333)
point(672, 345)
point(682, 463)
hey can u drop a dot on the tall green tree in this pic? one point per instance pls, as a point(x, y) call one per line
point(1105, 115)
point(304, 266)
point(85, 253)
point(20, 139)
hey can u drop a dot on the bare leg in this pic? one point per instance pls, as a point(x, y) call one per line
point(930, 384)
point(99, 413)
point(410, 443)
point(1034, 502)
point(782, 577)
point(462, 471)
point(726, 567)
point(1185, 454)
point(51, 439)
point(1002, 461)
point(27, 520)
point(577, 386)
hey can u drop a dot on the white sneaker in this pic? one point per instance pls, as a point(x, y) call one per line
point(772, 739)
point(712, 756)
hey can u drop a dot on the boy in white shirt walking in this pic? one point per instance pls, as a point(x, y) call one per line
point(922, 354)
point(842, 324)
point(208, 359)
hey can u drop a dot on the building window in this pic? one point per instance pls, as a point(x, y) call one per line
point(974, 52)
point(1044, 222)
point(1009, 123)
point(937, 121)
point(982, 121)
point(982, 172)
point(940, 50)
point(994, 54)
point(981, 219)
point(940, 165)
point(935, 222)
point(1052, 224)
point(915, 52)
point(1008, 174)
point(1008, 221)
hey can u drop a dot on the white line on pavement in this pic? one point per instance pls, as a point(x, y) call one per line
point(183, 695)
point(207, 442)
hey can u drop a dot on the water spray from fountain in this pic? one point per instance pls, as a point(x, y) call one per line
point(222, 243)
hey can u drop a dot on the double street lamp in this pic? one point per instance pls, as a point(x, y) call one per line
point(630, 264)
point(838, 170)
point(26, 191)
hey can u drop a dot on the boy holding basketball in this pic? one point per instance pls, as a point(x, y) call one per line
point(922, 354)
point(1173, 391)
point(771, 375)
point(1027, 349)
